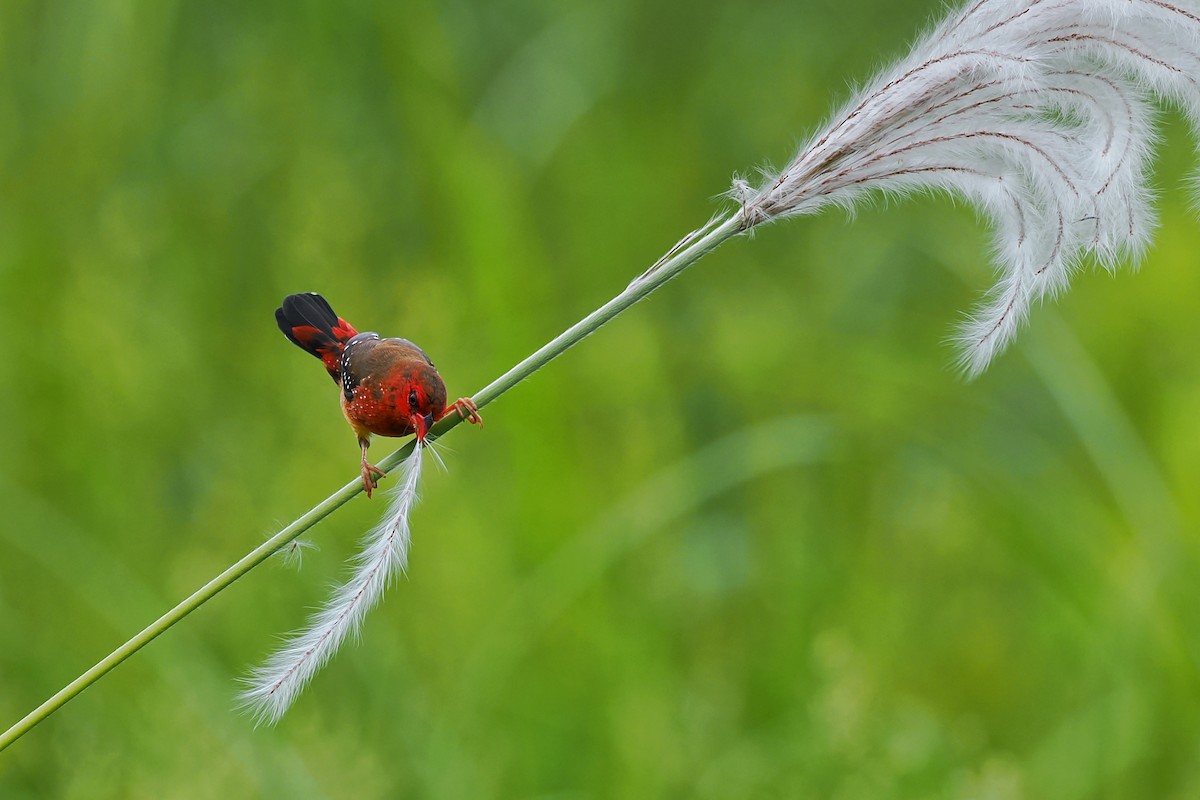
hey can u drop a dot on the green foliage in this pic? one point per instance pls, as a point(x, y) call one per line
point(753, 539)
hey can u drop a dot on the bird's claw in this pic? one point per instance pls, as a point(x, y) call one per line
point(466, 409)
point(370, 477)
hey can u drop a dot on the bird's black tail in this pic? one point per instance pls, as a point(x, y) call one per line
point(309, 322)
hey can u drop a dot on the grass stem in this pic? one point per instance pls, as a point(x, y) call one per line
point(683, 255)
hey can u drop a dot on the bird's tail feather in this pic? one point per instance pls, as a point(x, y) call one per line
point(309, 322)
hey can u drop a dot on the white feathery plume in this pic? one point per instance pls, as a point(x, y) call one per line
point(271, 688)
point(1038, 112)
point(292, 554)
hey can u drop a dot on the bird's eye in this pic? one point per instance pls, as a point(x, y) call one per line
point(413, 401)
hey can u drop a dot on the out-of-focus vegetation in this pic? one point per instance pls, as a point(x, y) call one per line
point(753, 539)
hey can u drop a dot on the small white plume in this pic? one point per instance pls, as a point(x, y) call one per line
point(272, 687)
point(292, 554)
point(1038, 112)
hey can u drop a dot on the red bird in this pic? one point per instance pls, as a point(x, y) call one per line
point(389, 386)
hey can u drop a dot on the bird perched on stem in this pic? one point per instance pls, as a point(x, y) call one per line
point(388, 387)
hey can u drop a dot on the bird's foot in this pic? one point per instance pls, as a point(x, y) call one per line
point(466, 409)
point(370, 476)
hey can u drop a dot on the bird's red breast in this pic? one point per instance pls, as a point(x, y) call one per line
point(385, 382)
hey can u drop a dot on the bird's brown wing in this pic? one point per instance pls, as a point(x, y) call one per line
point(367, 359)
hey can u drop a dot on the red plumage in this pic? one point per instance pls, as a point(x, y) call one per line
point(389, 387)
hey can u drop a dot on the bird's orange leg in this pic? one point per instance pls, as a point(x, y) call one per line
point(466, 409)
point(370, 473)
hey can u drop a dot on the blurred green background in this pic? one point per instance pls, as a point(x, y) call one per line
point(756, 538)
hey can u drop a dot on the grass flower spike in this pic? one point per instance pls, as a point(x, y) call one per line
point(1037, 112)
point(272, 687)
